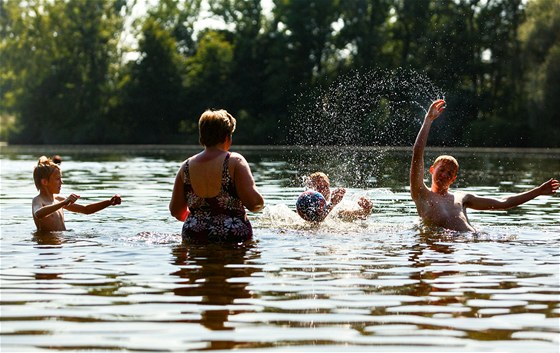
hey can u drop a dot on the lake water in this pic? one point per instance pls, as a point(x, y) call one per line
point(121, 279)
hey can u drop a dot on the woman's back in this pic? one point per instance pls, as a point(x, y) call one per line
point(206, 173)
point(213, 188)
point(216, 212)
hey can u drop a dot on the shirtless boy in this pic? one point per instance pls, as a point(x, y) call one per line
point(48, 206)
point(438, 206)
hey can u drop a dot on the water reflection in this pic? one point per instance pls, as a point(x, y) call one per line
point(429, 250)
point(216, 276)
point(121, 280)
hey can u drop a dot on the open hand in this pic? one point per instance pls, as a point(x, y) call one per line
point(365, 204)
point(435, 110)
point(337, 196)
point(549, 187)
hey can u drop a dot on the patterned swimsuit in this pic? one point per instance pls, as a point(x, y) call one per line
point(221, 218)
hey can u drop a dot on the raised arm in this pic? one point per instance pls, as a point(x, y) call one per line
point(417, 166)
point(488, 203)
point(245, 185)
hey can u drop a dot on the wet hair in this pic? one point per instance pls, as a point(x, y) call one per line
point(214, 126)
point(319, 182)
point(43, 170)
point(314, 178)
point(449, 159)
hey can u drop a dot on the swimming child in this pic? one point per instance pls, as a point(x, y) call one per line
point(320, 182)
point(48, 205)
point(439, 207)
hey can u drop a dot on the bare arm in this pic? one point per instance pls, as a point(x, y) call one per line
point(417, 185)
point(488, 203)
point(337, 196)
point(178, 205)
point(365, 210)
point(245, 185)
point(40, 211)
point(94, 207)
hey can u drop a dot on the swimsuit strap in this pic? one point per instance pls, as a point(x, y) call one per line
point(225, 172)
point(187, 176)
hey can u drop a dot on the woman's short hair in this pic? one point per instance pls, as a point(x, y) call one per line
point(214, 126)
point(43, 170)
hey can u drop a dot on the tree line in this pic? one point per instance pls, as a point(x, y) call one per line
point(66, 75)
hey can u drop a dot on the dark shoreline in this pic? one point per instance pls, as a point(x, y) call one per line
point(153, 148)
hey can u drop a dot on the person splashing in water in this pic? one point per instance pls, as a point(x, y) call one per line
point(437, 205)
point(320, 182)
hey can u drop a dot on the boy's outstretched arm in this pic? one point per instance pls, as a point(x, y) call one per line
point(417, 165)
point(488, 203)
point(94, 207)
point(365, 210)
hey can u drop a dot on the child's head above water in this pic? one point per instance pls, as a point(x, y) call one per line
point(319, 182)
point(445, 159)
point(43, 170)
point(444, 172)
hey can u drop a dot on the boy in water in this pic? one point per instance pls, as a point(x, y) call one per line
point(320, 182)
point(437, 206)
point(48, 206)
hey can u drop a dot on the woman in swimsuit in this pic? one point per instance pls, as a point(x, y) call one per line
point(213, 188)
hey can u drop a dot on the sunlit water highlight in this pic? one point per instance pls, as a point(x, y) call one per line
point(122, 280)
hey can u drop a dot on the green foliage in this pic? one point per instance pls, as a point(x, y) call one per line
point(56, 58)
point(152, 93)
point(540, 38)
point(65, 78)
point(208, 75)
point(366, 32)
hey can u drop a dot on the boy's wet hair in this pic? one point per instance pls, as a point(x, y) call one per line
point(312, 180)
point(214, 126)
point(43, 170)
point(447, 158)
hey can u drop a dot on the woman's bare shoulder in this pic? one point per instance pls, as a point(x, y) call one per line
point(236, 157)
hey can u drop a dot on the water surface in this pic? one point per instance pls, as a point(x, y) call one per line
point(121, 279)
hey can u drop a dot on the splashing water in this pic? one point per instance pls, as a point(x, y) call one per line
point(362, 109)
point(372, 108)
